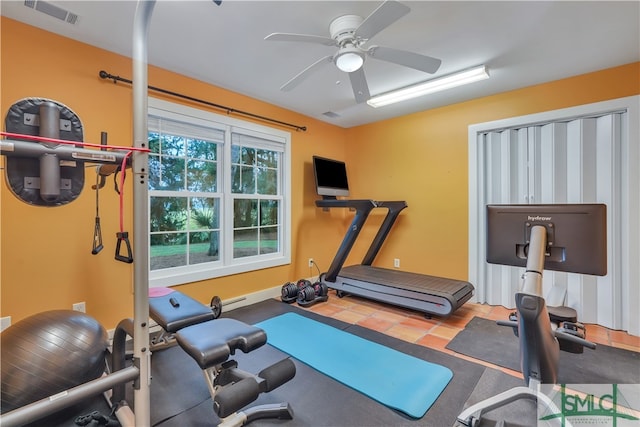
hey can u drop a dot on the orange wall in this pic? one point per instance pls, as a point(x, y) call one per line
point(46, 255)
point(46, 260)
point(422, 158)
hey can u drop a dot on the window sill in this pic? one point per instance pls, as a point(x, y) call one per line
point(184, 275)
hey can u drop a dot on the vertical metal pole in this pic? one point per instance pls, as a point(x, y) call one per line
point(49, 162)
point(140, 166)
point(535, 261)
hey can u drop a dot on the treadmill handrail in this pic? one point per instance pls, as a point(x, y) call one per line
point(394, 210)
point(363, 207)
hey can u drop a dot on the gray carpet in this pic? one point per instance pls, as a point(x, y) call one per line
point(483, 339)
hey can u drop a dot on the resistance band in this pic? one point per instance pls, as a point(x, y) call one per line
point(97, 232)
point(123, 236)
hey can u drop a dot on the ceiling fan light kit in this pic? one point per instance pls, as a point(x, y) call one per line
point(349, 59)
point(430, 86)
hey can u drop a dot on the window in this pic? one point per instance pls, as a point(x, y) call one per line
point(218, 195)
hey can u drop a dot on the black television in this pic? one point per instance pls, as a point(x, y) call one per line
point(331, 177)
point(576, 236)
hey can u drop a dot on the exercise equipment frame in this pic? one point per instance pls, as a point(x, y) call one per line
point(534, 328)
point(428, 294)
point(140, 372)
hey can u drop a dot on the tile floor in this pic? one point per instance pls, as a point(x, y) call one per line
point(435, 333)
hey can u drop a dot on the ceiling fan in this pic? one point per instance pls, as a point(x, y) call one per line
point(350, 33)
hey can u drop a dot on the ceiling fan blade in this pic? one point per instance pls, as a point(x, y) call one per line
point(305, 73)
point(359, 85)
point(408, 59)
point(386, 14)
point(306, 38)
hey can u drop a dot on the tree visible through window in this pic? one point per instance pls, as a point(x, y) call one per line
point(215, 197)
point(184, 206)
point(254, 172)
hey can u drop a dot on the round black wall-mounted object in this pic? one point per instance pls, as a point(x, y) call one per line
point(44, 180)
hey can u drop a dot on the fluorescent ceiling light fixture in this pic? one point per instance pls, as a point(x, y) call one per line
point(430, 86)
point(349, 59)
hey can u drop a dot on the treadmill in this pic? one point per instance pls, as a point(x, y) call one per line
point(428, 294)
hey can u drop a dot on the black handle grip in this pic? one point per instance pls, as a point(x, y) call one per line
point(97, 237)
point(128, 257)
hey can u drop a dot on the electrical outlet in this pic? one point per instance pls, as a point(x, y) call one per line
point(310, 262)
point(80, 306)
point(396, 262)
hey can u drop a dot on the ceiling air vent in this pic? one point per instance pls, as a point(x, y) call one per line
point(52, 10)
point(331, 115)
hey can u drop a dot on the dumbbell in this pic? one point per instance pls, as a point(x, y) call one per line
point(291, 290)
point(311, 291)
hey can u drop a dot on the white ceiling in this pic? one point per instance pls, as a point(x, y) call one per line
point(522, 43)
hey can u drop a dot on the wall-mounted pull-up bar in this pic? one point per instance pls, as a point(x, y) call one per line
point(49, 171)
point(68, 151)
point(104, 75)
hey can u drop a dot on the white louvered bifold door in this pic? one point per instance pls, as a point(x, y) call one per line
point(574, 161)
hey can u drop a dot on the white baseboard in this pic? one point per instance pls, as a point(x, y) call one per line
point(5, 322)
point(252, 298)
point(256, 297)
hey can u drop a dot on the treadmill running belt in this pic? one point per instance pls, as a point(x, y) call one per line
point(403, 279)
point(429, 294)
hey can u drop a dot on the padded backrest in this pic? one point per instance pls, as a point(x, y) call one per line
point(211, 343)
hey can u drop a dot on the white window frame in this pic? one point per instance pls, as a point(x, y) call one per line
point(226, 265)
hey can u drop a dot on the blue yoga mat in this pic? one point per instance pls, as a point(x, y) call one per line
point(395, 379)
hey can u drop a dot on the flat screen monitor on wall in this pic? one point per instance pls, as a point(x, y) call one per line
point(576, 236)
point(331, 177)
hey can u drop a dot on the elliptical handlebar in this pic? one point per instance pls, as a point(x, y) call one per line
point(574, 339)
point(558, 333)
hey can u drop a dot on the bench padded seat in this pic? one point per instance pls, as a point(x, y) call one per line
point(174, 310)
point(211, 343)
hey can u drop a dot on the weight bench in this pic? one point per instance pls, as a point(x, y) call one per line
point(210, 342)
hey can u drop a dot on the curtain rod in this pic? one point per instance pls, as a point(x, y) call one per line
point(104, 75)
